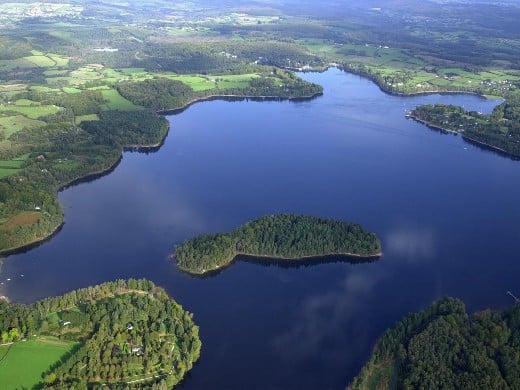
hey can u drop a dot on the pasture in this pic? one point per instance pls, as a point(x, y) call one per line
point(25, 361)
point(15, 123)
point(116, 101)
point(204, 83)
point(32, 111)
point(10, 167)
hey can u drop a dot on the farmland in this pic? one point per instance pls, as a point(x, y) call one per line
point(77, 67)
point(71, 345)
point(10, 167)
point(24, 363)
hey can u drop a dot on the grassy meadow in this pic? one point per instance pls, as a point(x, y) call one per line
point(25, 362)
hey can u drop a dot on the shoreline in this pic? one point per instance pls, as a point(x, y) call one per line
point(295, 261)
point(406, 94)
point(234, 98)
point(174, 111)
point(147, 148)
point(79, 180)
point(87, 178)
point(482, 144)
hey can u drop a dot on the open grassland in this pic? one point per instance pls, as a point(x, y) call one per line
point(116, 102)
point(32, 111)
point(71, 90)
point(41, 61)
point(204, 83)
point(15, 123)
point(26, 361)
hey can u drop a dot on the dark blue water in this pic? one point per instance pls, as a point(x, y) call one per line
point(447, 213)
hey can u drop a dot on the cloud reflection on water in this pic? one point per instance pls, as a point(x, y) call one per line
point(322, 319)
point(411, 244)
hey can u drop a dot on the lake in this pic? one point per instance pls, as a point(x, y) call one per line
point(446, 212)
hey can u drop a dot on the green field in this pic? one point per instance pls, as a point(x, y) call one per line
point(117, 102)
point(15, 123)
point(10, 167)
point(26, 361)
point(204, 83)
point(41, 61)
point(31, 111)
point(71, 90)
point(60, 61)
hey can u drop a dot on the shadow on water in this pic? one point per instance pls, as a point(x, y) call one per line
point(93, 176)
point(290, 263)
point(491, 149)
point(230, 99)
point(31, 246)
point(307, 262)
point(477, 144)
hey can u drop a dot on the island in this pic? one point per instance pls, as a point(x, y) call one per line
point(281, 236)
point(443, 347)
point(124, 334)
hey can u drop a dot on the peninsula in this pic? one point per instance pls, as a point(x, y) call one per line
point(126, 333)
point(444, 347)
point(499, 130)
point(281, 236)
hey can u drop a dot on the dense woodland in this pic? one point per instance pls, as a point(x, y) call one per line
point(287, 236)
point(126, 330)
point(501, 129)
point(443, 347)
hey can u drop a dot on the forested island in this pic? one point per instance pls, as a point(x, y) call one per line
point(122, 334)
point(280, 236)
point(443, 347)
point(499, 130)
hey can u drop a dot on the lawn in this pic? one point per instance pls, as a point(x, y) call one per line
point(26, 361)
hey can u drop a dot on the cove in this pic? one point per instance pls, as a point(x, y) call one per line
point(445, 210)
